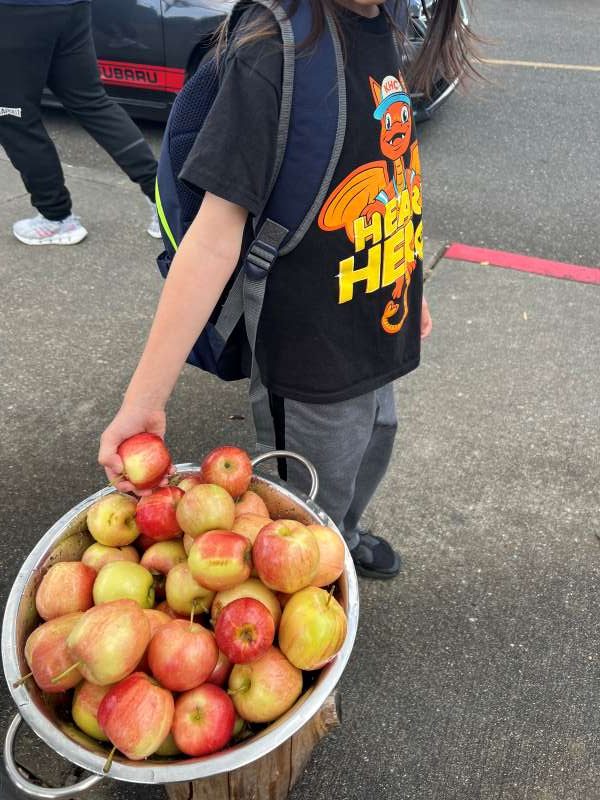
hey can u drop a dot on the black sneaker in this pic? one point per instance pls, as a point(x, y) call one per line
point(374, 558)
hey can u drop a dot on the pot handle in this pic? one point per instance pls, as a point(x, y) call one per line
point(314, 488)
point(32, 789)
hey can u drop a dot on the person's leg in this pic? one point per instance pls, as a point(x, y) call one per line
point(342, 440)
point(74, 79)
point(377, 456)
point(373, 556)
point(28, 35)
point(335, 437)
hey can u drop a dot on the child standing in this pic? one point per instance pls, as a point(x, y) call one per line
point(343, 314)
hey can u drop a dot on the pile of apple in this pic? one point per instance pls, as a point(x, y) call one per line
point(244, 610)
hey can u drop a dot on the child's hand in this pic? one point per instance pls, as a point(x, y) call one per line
point(130, 419)
point(426, 323)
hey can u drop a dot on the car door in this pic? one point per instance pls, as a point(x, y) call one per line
point(131, 55)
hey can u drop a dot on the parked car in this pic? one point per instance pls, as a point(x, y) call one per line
point(147, 47)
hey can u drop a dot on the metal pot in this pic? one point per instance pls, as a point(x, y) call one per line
point(65, 541)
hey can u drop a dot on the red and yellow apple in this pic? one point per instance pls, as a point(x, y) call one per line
point(250, 525)
point(109, 640)
point(250, 588)
point(124, 580)
point(182, 655)
point(163, 556)
point(203, 721)
point(245, 630)
point(229, 467)
point(136, 716)
point(145, 458)
point(157, 619)
point(286, 556)
point(263, 690)
point(97, 555)
point(48, 656)
point(221, 672)
point(220, 560)
point(312, 629)
point(332, 553)
point(111, 520)
point(205, 507)
point(156, 513)
point(65, 588)
point(190, 480)
point(251, 503)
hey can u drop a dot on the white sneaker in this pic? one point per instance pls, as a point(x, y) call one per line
point(154, 227)
point(40, 230)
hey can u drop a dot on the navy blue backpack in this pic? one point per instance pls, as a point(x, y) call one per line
point(312, 127)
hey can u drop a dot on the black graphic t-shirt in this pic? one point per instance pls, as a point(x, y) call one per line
point(342, 311)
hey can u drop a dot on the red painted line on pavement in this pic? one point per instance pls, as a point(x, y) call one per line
point(537, 266)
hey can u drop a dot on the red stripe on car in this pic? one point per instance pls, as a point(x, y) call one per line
point(141, 76)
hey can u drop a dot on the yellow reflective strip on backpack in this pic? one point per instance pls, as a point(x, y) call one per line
point(163, 219)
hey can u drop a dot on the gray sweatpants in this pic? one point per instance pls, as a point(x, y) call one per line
point(350, 443)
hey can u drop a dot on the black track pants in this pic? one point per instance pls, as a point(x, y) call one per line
point(53, 46)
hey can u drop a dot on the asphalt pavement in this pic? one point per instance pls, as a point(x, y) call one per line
point(475, 673)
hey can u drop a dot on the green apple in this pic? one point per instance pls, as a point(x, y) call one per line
point(111, 520)
point(313, 628)
point(124, 580)
point(84, 711)
point(184, 594)
point(168, 748)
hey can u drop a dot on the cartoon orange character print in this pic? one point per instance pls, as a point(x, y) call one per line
point(376, 205)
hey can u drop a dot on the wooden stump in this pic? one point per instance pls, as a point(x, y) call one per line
point(272, 776)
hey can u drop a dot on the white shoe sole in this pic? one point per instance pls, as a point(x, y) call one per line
point(60, 238)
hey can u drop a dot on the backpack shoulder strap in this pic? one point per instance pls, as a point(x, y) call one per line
point(312, 126)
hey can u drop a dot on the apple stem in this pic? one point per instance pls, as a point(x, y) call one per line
point(109, 761)
point(62, 675)
point(192, 619)
point(114, 482)
point(22, 680)
point(331, 591)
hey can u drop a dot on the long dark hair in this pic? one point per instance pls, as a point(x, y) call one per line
point(447, 51)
